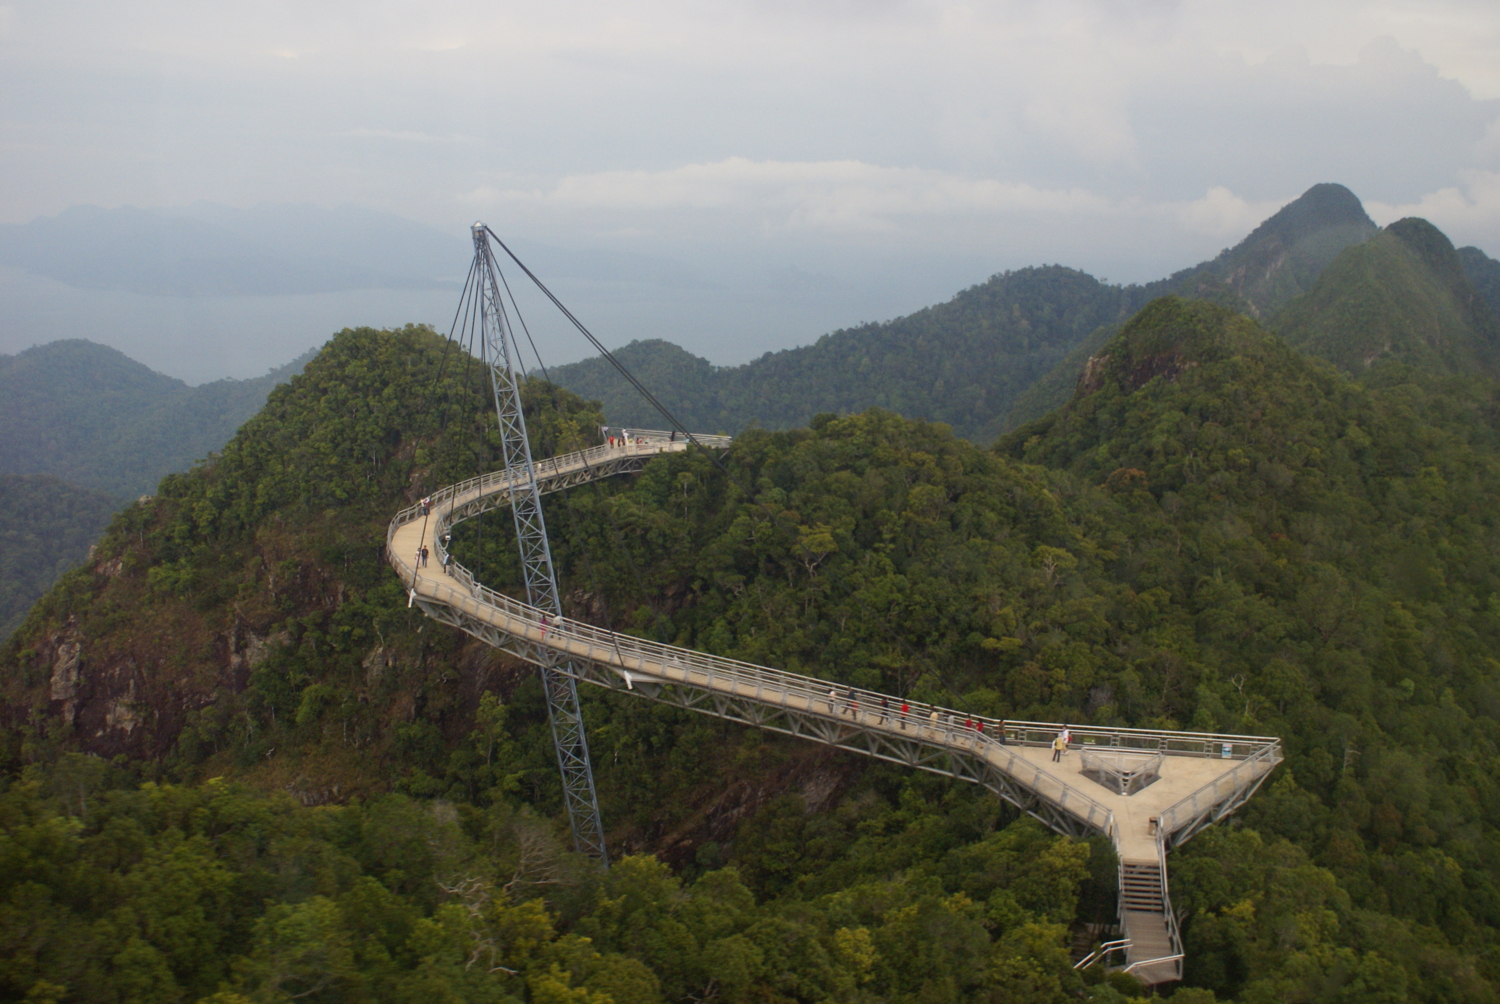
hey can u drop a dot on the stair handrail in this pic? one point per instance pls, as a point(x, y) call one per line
point(1153, 962)
point(1101, 952)
point(1174, 935)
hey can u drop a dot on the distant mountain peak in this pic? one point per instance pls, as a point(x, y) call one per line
point(1322, 206)
point(1282, 257)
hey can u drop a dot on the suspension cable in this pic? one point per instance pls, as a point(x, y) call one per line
point(610, 356)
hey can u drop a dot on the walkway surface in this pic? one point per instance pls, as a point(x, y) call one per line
point(1199, 778)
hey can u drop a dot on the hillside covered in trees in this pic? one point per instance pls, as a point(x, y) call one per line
point(317, 794)
point(96, 418)
point(85, 429)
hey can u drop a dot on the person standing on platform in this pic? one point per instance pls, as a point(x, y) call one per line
point(1058, 745)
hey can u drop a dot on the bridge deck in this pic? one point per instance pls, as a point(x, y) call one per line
point(1201, 776)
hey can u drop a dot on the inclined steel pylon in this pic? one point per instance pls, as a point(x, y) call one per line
point(536, 556)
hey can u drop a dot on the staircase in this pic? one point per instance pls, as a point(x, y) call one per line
point(1145, 920)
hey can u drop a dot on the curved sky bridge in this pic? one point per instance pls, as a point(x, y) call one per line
point(1146, 790)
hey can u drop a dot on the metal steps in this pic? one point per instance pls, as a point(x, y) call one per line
point(1140, 886)
point(1154, 955)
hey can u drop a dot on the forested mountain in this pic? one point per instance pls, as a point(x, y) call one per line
point(1217, 532)
point(998, 354)
point(1403, 296)
point(1281, 258)
point(962, 362)
point(1484, 275)
point(238, 640)
point(46, 527)
point(94, 417)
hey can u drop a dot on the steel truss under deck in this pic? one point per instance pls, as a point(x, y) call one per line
point(922, 754)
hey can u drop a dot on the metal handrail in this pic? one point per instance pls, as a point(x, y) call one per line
point(1101, 952)
point(1204, 744)
point(1152, 962)
point(655, 661)
point(1169, 821)
point(1174, 936)
point(554, 466)
point(1105, 762)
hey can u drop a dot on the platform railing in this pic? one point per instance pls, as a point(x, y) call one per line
point(1124, 773)
point(1212, 794)
point(1198, 744)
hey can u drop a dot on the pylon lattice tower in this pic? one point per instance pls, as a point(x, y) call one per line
point(503, 357)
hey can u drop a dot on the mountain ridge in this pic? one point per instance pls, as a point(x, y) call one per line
point(94, 417)
point(991, 357)
point(1402, 296)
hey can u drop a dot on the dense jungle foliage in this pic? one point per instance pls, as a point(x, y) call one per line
point(112, 891)
point(962, 362)
point(1218, 532)
point(46, 527)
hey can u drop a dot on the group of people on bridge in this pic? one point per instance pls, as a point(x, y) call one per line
point(622, 437)
point(898, 712)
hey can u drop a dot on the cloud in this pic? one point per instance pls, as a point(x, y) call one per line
point(403, 136)
point(1221, 213)
point(1469, 213)
point(846, 196)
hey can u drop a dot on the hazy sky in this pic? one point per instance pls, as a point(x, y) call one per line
point(836, 138)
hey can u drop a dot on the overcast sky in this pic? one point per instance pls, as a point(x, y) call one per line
point(835, 138)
